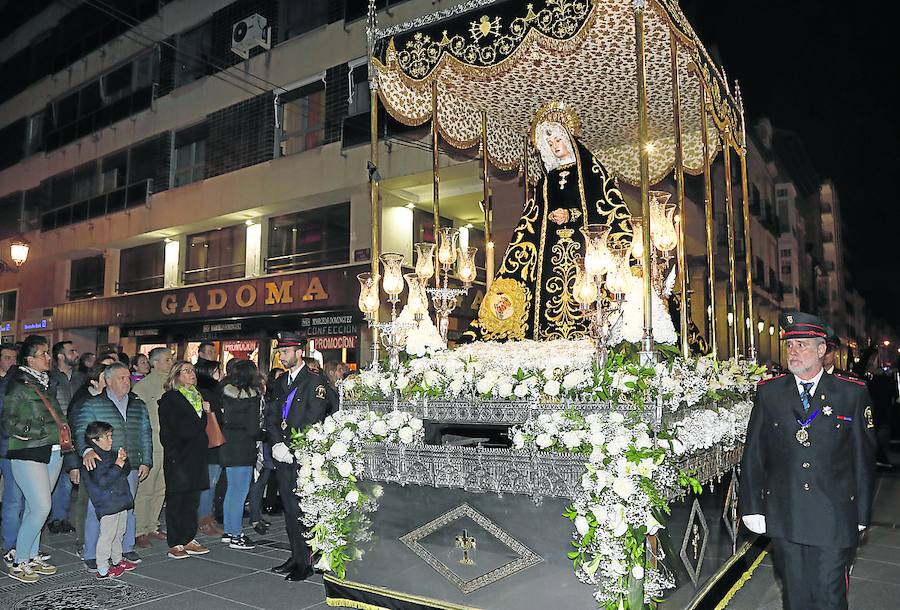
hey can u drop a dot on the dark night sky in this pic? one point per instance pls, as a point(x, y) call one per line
point(826, 71)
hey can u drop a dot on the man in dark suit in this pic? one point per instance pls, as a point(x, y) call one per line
point(302, 397)
point(808, 470)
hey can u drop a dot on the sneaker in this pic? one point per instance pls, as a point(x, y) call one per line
point(23, 572)
point(42, 567)
point(143, 541)
point(126, 565)
point(43, 556)
point(226, 538)
point(260, 527)
point(241, 542)
point(113, 572)
point(9, 558)
point(132, 556)
point(195, 548)
point(91, 564)
point(178, 552)
point(158, 535)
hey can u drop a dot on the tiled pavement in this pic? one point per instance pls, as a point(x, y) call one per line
point(224, 579)
point(875, 576)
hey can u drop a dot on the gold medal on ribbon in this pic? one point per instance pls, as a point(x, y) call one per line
point(802, 435)
point(284, 424)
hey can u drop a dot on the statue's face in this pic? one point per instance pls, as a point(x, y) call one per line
point(559, 146)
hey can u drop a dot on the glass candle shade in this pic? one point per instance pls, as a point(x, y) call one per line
point(466, 270)
point(425, 261)
point(368, 294)
point(393, 275)
point(447, 247)
point(637, 237)
point(416, 301)
point(596, 255)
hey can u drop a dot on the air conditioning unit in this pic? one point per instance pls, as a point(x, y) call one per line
point(249, 33)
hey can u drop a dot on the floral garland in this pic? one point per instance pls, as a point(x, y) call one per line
point(332, 501)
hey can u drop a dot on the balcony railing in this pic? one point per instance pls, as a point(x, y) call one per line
point(138, 284)
point(120, 199)
point(84, 292)
point(306, 260)
point(213, 274)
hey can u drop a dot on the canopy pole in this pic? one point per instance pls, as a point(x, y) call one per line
point(525, 169)
point(436, 177)
point(748, 255)
point(488, 211)
point(374, 179)
point(729, 218)
point(647, 347)
point(679, 187)
point(708, 213)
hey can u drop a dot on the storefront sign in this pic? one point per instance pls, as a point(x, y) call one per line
point(332, 342)
point(239, 346)
point(6, 327)
point(320, 326)
point(223, 327)
point(143, 332)
point(38, 325)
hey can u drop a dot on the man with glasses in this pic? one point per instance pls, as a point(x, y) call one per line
point(808, 470)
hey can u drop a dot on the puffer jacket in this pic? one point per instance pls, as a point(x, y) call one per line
point(239, 419)
point(133, 433)
point(107, 483)
point(25, 417)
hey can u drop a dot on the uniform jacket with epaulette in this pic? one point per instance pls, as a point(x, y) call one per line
point(313, 402)
point(817, 492)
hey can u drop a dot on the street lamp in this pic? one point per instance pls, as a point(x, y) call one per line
point(18, 252)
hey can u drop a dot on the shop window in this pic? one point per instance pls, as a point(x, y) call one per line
point(193, 55)
point(216, 255)
point(189, 156)
point(8, 305)
point(141, 268)
point(300, 16)
point(303, 118)
point(314, 238)
point(86, 277)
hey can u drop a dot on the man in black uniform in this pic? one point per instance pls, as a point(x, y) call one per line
point(807, 475)
point(301, 398)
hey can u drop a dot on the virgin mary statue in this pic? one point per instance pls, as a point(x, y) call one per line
point(531, 296)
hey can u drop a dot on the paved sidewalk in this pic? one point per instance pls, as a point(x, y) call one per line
point(225, 579)
point(875, 576)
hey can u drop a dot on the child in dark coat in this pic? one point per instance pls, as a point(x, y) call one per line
point(107, 486)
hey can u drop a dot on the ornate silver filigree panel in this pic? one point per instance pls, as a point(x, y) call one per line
point(465, 578)
point(693, 547)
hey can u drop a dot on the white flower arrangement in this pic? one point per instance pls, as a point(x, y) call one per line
point(329, 455)
point(626, 475)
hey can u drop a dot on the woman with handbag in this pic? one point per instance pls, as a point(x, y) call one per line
point(183, 418)
point(240, 399)
point(37, 439)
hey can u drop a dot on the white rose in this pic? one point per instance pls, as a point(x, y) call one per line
point(522, 390)
point(385, 386)
point(317, 460)
point(637, 572)
point(416, 424)
point(543, 441)
point(309, 488)
point(352, 496)
point(432, 378)
point(616, 418)
point(571, 439)
point(574, 378)
point(551, 388)
point(581, 524)
point(600, 512)
point(338, 449)
point(379, 428)
point(395, 420)
point(347, 435)
point(646, 467)
point(678, 447)
point(597, 439)
point(623, 487)
point(364, 425)
point(603, 478)
point(519, 440)
point(402, 382)
point(345, 468)
point(597, 455)
point(642, 440)
point(505, 389)
point(484, 385)
point(456, 386)
point(406, 435)
point(617, 567)
point(329, 426)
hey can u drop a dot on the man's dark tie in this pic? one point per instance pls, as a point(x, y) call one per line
point(804, 395)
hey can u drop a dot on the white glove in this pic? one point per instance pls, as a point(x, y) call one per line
point(754, 523)
point(861, 527)
point(281, 453)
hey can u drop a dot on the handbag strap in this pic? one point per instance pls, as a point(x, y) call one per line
point(47, 404)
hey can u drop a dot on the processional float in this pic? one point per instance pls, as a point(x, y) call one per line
point(612, 438)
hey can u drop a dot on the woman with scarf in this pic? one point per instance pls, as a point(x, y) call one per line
point(31, 418)
point(183, 411)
